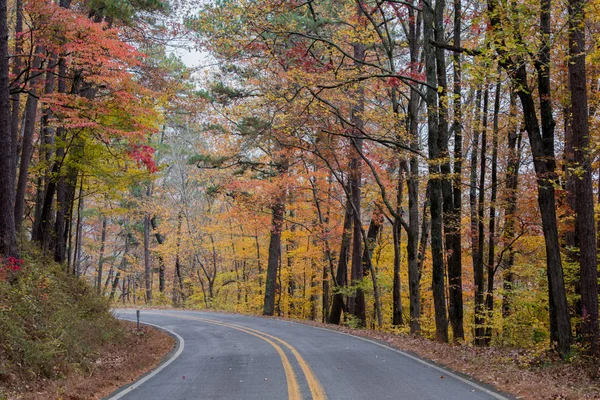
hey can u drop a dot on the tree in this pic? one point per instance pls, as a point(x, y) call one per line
point(581, 169)
point(8, 241)
point(541, 138)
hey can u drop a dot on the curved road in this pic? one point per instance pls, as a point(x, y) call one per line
point(228, 356)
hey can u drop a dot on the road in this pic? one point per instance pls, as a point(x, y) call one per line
point(228, 356)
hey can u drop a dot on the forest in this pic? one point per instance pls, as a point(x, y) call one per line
point(419, 167)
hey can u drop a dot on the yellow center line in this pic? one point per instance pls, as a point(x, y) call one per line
point(316, 389)
point(290, 376)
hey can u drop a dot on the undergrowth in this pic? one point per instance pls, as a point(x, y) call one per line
point(51, 322)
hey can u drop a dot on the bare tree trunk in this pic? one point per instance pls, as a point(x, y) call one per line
point(449, 218)
point(356, 302)
point(45, 151)
point(397, 239)
point(114, 287)
point(473, 199)
point(454, 239)
point(15, 98)
point(314, 285)
point(278, 211)
point(101, 256)
point(27, 142)
point(147, 266)
point(512, 183)
point(79, 230)
point(289, 248)
point(8, 239)
point(435, 198)
point(178, 280)
point(341, 276)
point(412, 244)
point(258, 264)
point(584, 197)
point(161, 263)
point(323, 220)
point(491, 266)
point(478, 269)
point(109, 278)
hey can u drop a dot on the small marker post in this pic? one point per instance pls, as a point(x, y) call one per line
point(137, 313)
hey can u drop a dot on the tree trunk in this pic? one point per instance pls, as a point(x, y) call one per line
point(177, 278)
point(584, 197)
point(451, 223)
point(79, 230)
point(491, 266)
point(341, 276)
point(161, 263)
point(27, 142)
point(111, 272)
point(15, 97)
point(101, 256)
point(478, 269)
point(544, 161)
point(454, 219)
point(356, 302)
point(8, 240)
point(435, 198)
point(274, 259)
point(45, 150)
point(412, 182)
point(114, 287)
point(147, 266)
point(512, 183)
point(397, 235)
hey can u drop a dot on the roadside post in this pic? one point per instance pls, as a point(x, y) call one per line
point(137, 313)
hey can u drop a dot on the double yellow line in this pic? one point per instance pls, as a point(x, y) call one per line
point(316, 390)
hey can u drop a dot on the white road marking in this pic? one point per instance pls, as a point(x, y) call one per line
point(137, 383)
point(426, 363)
point(417, 359)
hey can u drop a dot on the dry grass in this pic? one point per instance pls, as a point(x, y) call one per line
point(118, 365)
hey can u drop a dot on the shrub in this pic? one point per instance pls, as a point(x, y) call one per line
point(51, 321)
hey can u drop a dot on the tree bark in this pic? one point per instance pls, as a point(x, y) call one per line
point(478, 269)
point(397, 241)
point(341, 276)
point(101, 256)
point(277, 213)
point(8, 240)
point(178, 279)
point(435, 198)
point(491, 265)
point(45, 150)
point(454, 240)
point(451, 222)
point(412, 182)
point(147, 266)
point(356, 302)
point(161, 263)
point(584, 197)
point(79, 230)
point(512, 183)
point(31, 108)
point(544, 160)
point(15, 97)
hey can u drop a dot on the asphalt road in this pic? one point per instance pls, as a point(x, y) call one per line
point(227, 356)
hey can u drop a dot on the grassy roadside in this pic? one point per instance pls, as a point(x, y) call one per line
point(120, 363)
point(58, 338)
